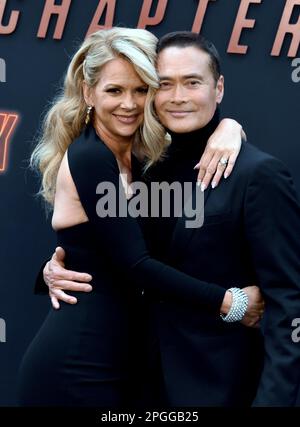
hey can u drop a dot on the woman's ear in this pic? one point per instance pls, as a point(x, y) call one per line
point(220, 89)
point(87, 94)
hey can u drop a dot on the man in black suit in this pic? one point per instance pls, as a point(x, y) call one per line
point(250, 235)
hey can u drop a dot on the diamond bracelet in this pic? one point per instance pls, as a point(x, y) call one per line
point(238, 307)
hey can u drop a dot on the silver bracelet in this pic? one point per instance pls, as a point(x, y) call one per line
point(238, 307)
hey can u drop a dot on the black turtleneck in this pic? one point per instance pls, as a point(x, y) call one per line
point(183, 153)
point(191, 145)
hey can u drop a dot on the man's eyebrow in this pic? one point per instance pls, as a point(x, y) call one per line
point(185, 77)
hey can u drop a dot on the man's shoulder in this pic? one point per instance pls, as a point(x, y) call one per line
point(252, 160)
point(253, 156)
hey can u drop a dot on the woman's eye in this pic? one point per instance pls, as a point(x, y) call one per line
point(142, 90)
point(113, 90)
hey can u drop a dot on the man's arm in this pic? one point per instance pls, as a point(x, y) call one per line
point(272, 223)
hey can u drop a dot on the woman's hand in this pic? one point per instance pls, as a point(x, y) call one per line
point(58, 279)
point(255, 309)
point(221, 152)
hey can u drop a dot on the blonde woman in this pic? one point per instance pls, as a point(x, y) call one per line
point(99, 128)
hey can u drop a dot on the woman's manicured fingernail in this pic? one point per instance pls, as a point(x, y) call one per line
point(203, 187)
point(213, 185)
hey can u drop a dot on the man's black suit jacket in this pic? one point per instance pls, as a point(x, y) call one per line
point(250, 235)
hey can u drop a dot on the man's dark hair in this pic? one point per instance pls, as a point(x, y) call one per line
point(187, 39)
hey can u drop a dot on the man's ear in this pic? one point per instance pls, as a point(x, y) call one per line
point(87, 94)
point(220, 89)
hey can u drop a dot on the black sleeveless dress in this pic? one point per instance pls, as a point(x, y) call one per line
point(89, 354)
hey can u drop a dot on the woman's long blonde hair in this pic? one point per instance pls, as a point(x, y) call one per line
point(66, 118)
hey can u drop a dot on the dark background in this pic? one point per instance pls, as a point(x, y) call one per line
point(260, 94)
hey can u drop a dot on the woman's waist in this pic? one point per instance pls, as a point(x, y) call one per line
point(107, 278)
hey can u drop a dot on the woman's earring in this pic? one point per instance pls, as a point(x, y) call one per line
point(88, 115)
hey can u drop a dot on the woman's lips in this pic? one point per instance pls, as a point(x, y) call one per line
point(126, 119)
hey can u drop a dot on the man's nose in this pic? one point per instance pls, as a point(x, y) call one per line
point(178, 94)
point(128, 101)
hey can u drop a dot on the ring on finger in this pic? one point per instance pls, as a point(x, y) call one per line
point(223, 161)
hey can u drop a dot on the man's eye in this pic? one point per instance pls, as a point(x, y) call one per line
point(194, 83)
point(164, 85)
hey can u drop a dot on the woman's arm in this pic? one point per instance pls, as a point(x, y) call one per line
point(59, 280)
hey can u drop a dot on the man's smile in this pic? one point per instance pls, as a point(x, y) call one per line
point(178, 113)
